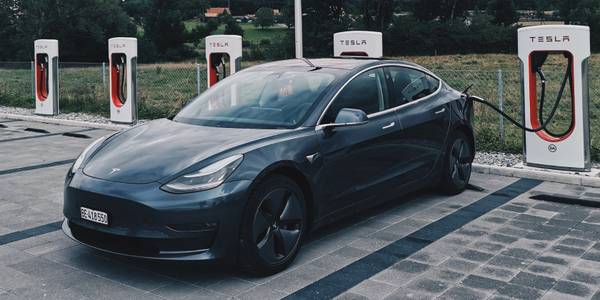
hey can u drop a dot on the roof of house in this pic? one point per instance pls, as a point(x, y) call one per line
point(216, 11)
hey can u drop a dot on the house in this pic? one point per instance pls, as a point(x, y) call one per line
point(214, 12)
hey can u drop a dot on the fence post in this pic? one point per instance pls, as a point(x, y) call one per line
point(197, 78)
point(104, 77)
point(501, 105)
point(33, 80)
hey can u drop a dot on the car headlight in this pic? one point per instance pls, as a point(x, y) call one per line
point(206, 178)
point(84, 154)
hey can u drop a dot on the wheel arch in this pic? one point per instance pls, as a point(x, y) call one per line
point(290, 170)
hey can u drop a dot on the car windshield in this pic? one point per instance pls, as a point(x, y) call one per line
point(258, 99)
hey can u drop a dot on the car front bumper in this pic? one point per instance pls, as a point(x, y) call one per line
point(147, 222)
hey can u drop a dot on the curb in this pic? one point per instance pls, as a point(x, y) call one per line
point(49, 120)
point(539, 175)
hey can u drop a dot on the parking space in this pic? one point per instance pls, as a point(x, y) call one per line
point(492, 244)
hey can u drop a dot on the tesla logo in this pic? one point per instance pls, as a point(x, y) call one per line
point(118, 46)
point(550, 39)
point(552, 148)
point(353, 42)
point(219, 44)
point(114, 170)
point(41, 47)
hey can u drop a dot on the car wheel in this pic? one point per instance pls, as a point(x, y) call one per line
point(274, 225)
point(457, 164)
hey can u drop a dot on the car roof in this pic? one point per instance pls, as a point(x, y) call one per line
point(334, 63)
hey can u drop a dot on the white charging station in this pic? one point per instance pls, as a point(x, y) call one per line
point(221, 51)
point(122, 57)
point(46, 77)
point(358, 44)
point(569, 150)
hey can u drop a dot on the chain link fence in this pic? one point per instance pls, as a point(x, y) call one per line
point(164, 88)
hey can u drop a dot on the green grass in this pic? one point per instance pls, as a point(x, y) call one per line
point(164, 88)
point(251, 33)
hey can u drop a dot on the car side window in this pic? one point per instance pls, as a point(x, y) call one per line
point(408, 84)
point(366, 92)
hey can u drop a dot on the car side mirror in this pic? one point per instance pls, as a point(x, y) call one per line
point(348, 117)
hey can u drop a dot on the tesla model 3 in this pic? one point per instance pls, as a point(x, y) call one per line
point(245, 170)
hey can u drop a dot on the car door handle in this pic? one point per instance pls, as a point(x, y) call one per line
point(441, 111)
point(388, 126)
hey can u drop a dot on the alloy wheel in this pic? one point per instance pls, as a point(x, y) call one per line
point(277, 224)
point(460, 162)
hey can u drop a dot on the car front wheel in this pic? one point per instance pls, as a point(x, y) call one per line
point(273, 226)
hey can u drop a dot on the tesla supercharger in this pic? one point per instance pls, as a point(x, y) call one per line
point(46, 77)
point(223, 56)
point(569, 45)
point(122, 57)
point(358, 43)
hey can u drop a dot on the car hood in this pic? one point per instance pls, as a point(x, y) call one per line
point(162, 148)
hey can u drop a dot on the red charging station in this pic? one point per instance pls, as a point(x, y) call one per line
point(46, 77)
point(223, 56)
point(567, 48)
point(122, 57)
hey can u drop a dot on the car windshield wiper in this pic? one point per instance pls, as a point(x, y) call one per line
point(308, 62)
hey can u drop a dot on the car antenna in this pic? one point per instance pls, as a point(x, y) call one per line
point(308, 62)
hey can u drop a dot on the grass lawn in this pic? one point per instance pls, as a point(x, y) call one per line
point(251, 33)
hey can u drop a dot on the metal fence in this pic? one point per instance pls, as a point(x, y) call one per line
point(164, 88)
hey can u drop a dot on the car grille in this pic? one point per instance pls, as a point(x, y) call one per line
point(148, 247)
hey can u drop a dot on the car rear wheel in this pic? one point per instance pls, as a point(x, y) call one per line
point(457, 164)
point(273, 226)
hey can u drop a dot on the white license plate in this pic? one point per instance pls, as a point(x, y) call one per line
point(94, 216)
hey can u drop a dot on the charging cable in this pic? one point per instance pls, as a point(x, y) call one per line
point(548, 120)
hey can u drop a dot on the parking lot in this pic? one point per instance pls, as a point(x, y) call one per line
point(492, 244)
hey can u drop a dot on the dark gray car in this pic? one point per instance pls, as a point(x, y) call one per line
point(251, 165)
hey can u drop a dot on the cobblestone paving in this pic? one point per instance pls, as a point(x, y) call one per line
point(525, 249)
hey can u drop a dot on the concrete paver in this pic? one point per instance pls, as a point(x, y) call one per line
point(523, 249)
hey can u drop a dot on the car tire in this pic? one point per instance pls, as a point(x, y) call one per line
point(273, 226)
point(457, 164)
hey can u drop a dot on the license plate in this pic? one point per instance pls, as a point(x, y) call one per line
point(94, 216)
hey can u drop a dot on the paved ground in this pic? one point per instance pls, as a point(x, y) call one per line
point(493, 244)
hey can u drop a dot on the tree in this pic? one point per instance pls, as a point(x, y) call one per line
point(232, 27)
point(163, 29)
point(375, 15)
point(264, 17)
point(82, 26)
point(503, 11)
point(322, 19)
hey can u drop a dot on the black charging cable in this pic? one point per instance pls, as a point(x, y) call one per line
point(548, 120)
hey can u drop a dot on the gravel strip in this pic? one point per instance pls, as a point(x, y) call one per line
point(65, 116)
point(498, 159)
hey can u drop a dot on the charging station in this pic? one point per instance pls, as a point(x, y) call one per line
point(223, 56)
point(568, 149)
point(122, 57)
point(46, 77)
point(358, 44)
